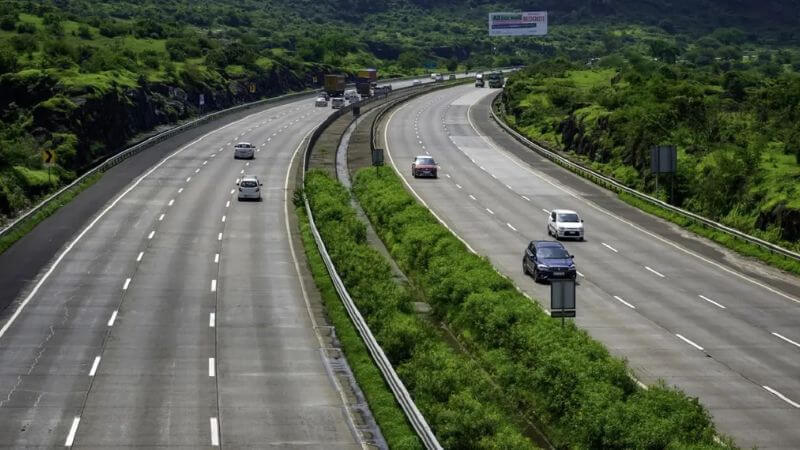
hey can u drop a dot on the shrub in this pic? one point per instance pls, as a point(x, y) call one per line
point(564, 377)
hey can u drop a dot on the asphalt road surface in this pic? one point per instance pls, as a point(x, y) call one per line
point(689, 317)
point(177, 318)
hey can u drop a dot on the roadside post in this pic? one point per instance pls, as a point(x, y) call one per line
point(664, 159)
point(377, 159)
point(562, 299)
point(48, 158)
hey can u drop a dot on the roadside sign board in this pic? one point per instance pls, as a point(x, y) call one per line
point(530, 23)
point(562, 298)
point(377, 157)
point(48, 157)
point(663, 159)
point(202, 100)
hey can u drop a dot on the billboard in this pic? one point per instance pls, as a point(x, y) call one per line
point(532, 23)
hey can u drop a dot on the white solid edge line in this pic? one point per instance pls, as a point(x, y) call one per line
point(626, 222)
point(214, 432)
point(125, 285)
point(610, 247)
point(211, 370)
point(711, 301)
point(212, 320)
point(688, 341)
point(213, 285)
point(653, 271)
point(72, 430)
point(112, 319)
point(624, 302)
point(786, 339)
point(96, 363)
point(782, 397)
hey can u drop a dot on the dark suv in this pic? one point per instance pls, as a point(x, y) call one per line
point(548, 259)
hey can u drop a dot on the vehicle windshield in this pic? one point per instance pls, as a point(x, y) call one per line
point(426, 161)
point(552, 253)
point(571, 217)
point(249, 184)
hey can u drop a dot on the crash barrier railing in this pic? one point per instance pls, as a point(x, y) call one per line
point(615, 185)
point(399, 390)
point(147, 143)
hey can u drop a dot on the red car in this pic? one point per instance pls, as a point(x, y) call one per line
point(424, 166)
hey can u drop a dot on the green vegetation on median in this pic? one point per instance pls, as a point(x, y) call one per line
point(459, 401)
point(28, 224)
point(388, 414)
point(583, 395)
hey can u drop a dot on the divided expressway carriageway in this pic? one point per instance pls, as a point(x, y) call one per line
point(678, 308)
point(176, 315)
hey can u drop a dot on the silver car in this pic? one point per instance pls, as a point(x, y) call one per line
point(249, 188)
point(337, 102)
point(244, 150)
point(564, 223)
point(321, 101)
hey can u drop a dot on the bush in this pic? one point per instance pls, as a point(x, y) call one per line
point(26, 28)
point(561, 375)
point(8, 59)
point(456, 398)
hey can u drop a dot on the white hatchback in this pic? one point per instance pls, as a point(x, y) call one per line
point(244, 150)
point(249, 188)
point(564, 223)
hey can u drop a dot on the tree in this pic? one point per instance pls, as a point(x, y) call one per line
point(8, 59)
point(409, 60)
point(663, 50)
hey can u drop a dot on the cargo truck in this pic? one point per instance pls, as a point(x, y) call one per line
point(334, 85)
point(495, 80)
point(366, 80)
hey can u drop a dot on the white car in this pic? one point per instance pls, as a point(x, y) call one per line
point(321, 101)
point(244, 150)
point(434, 75)
point(416, 83)
point(351, 95)
point(564, 223)
point(249, 188)
point(337, 102)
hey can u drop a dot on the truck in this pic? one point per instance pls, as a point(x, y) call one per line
point(495, 80)
point(479, 80)
point(334, 85)
point(366, 79)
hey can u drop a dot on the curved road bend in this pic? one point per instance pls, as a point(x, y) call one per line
point(177, 318)
point(730, 339)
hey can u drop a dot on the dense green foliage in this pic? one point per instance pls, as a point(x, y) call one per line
point(388, 414)
point(83, 76)
point(457, 399)
point(561, 375)
point(734, 121)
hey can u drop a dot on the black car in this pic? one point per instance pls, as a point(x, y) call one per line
point(548, 259)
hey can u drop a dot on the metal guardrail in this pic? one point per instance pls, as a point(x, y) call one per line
point(147, 143)
point(619, 187)
point(399, 390)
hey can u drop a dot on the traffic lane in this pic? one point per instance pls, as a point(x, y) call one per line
point(274, 387)
point(23, 261)
point(161, 342)
point(648, 285)
point(609, 201)
point(510, 260)
point(67, 357)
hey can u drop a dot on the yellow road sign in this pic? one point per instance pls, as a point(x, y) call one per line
point(48, 157)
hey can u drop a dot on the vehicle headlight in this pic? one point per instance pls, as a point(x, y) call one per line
point(571, 265)
point(561, 228)
point(542, 266)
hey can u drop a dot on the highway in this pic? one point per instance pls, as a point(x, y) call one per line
point(176, 317)
point(677, 308)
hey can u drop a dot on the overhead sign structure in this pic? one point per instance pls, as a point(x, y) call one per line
point(531, 23)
